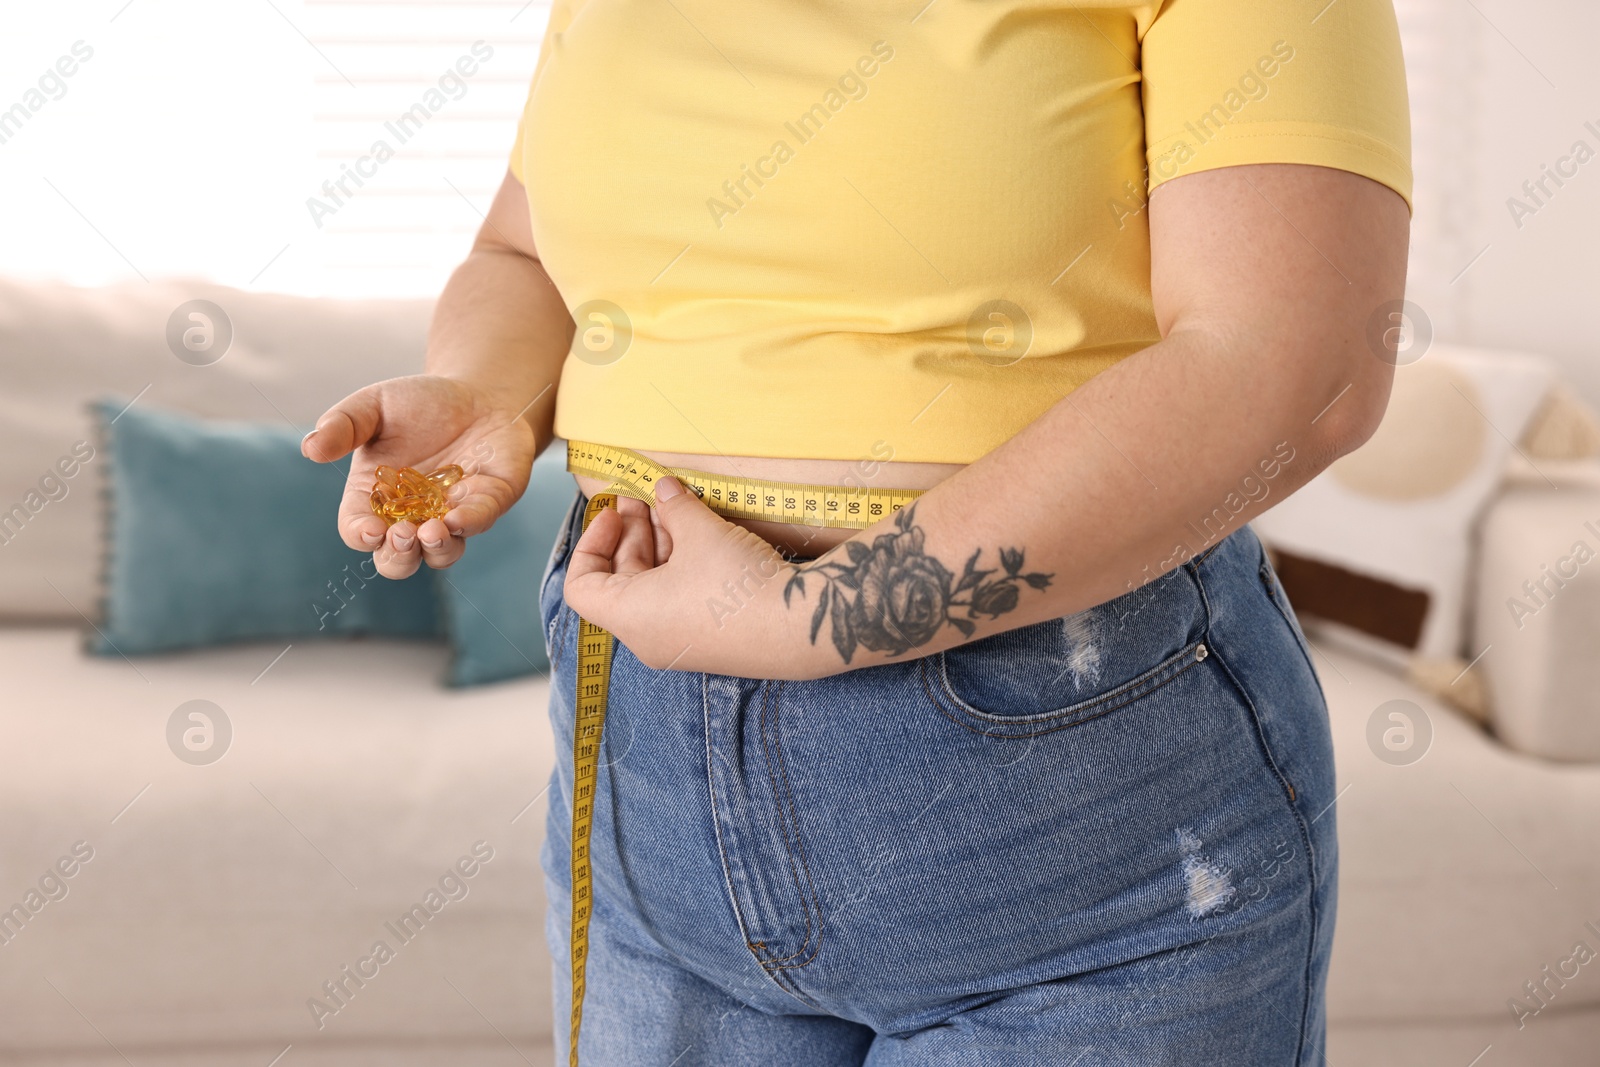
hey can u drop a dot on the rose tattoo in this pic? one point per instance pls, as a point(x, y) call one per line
point(892, 597)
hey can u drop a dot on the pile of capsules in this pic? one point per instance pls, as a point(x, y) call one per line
point(406, 494)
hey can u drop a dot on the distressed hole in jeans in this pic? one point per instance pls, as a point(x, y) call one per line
point(1083, 649)
point(1208, 888)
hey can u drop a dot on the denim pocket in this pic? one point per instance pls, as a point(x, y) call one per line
point(1010, 719)
point(1067, 669)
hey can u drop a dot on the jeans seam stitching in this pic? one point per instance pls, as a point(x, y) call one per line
point(565, 541)
point(1305, 841)
point(560, 551)
point(1270, 583)
point(786, 983)
point(785, 799)
point(722, 848)
point(716, 823)
point(1294, 813)
point(561, 629)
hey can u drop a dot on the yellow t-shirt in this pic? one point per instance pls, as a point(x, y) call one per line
point(863, 229)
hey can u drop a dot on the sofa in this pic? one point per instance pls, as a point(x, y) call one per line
point(219, 899)
point(226, 914)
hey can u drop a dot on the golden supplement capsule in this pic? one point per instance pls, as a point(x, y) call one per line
point(408, 494)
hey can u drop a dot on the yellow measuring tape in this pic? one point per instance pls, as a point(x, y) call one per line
point(631, 474)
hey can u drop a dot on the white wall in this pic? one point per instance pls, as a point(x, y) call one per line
point(1501, 88)
point(191, 136)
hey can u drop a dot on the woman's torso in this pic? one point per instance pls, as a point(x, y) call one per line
point(829, 230)
point(834, 234)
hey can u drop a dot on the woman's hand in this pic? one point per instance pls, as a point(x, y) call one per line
point(424, 421)
point(684, 588)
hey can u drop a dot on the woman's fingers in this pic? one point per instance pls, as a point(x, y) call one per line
point(343, 428)
point(592, 554)
point(362, 532)
point(663, 538)
point(346, 426)
point(636, 550)
point(359, 528)
point(620, 540)
point(401, 552)
point(406, 547)
point(476, 502)
point(440, 548)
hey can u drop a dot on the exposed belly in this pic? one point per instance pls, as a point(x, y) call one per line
point(789, 538)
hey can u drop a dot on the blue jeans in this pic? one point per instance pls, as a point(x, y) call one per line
point(1102, 839)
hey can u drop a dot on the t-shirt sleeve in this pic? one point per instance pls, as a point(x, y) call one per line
point(561, 13)
point(1230, 82)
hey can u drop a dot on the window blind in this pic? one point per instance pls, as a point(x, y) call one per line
point(414, 107)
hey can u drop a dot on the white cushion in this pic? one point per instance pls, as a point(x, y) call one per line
point(1538, 614)
point(1401, 508)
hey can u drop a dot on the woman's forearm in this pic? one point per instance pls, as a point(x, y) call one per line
point(1264, 378)
point(1142, 468)
point(500, 324)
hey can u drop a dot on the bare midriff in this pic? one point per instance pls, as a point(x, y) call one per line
point(788, 538)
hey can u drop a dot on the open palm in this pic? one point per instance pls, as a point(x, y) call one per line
point(426, 422)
